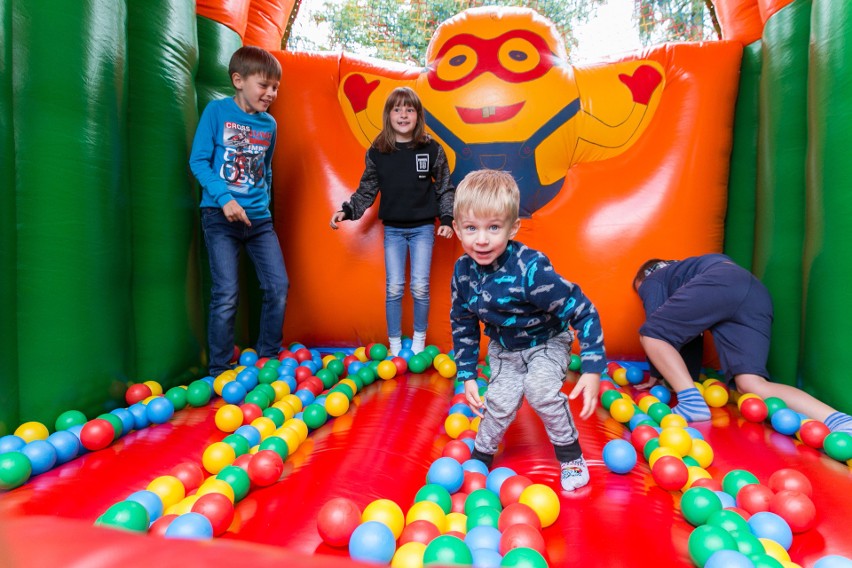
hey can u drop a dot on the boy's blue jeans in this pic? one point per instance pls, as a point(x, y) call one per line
point(398, 243)
point(223, 240)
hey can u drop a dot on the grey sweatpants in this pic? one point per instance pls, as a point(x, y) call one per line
point(538, 374)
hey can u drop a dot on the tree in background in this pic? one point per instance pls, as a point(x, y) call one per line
point(400, 30)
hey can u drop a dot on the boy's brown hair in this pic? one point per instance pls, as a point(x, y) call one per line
point(249, 60)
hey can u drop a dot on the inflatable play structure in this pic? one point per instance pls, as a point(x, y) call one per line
point(735, 145)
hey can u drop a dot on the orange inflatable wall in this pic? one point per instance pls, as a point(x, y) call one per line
point(643, 166)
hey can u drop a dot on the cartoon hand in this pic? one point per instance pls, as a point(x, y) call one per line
point(358, 90)
point(642, 83)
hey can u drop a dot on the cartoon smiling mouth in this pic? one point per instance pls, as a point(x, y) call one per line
point(489, 114)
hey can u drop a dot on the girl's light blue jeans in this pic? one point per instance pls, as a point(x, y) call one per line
point(399, 242)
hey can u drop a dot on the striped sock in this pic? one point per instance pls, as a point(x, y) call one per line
point(839, 422)
point(691, 405)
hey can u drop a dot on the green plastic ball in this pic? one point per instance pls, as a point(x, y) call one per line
point(198, 393)
point(378, 352)
point(576, 363)
point(650, 446)
point(314, 415)
point(276, 415)
point(609, 397)
point(335, 366)
point(747, 543)
point(437, 494)
point(68, 419)
point(237, 478)
point(706, 540)
point(658, 411)
point(523, 557)
point(366, 375)
point(482, 516)
point(447, 550)
point(736, 479)
point(127, 515)
point(15, 470)
point(327, 378)
point(764, 561)
point(728, 520)
point(345, 389)
point(277, 445)
point(418, 363)
point(267, 375)
point(267, 390)
point(698, 503)
point(432, 351)
point(774, 404)
point(257, 397)
point(115, 422)
point(481, 498)
point(178, 397)
point(238, 443)
point(838, 445)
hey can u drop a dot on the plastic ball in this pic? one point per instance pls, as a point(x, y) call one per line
point(483, 537)
point(676, 439)
point(698, 503)
point(15, 469)
point(446, 472)
point(736, 479)
point(771, 526)
point(755, 498)
point(608, 397)
point(662, 393)
point(127, 515)
point(511, 489)
point(658, 411)
point(150, 500)
point(475, 466)
point(409, 555)
point(702, 452)
point(29, 431)
point(619, 456)
point(483, 515)
point(198, 393)
point(160, 410)
point(813, 433)
point(372, 542)
point(455, 424)
point(518, 513)
point(428, 511)
point(670, 473)
point(419, 530)
point(728, 559)
point(521, 536)
point(786, 421)
point(447, 368)
point(833, 561)
point(524, 558)
point(634, 375)
point(838, 445)
point(336, 404)
point(707, 540)
point(621, 410)
point(236, 478)
point(794, 507)
point(137, 393)
point(66, 445)
point(216, 456)
point(265, 468)
point(543, 500)
point(790, 479)
point(168, 488)
point(673, 421)
point(68, 419)
point(482, 498)
point(218, 509)
point(457, 450)
point(729, 520)
point(457, 520)
point(386, 512)
point(191, 526)
point(436, 494)
point(97, 434)
point(447, 550)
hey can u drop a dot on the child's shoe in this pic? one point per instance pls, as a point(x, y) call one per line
point(418, 342)
point(575, 474)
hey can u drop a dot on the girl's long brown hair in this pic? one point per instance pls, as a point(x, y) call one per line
point(385, 142)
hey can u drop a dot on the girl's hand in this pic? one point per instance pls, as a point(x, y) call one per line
point(471, 394)
point(588, 385)
point(445, 231)
point(337, 218)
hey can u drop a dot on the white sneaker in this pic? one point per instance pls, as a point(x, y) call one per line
point(575, 474)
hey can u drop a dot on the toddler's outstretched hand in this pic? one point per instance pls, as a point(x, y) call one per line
point(445, 231)
point(588, 385)
point(471, 394)
point(337, 218)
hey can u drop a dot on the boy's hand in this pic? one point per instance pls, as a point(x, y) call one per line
point(471, 394)
point(337, 218)
point(647, 384)
point(234, 212)
point(445, 231)
point(588, 384)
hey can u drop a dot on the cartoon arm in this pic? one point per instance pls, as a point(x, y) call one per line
point(362, 98)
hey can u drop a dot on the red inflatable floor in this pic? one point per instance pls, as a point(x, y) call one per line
point(382, 448)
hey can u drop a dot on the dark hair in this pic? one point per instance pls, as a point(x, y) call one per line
point(645, 270)
point(385, 142)
point(249, 60)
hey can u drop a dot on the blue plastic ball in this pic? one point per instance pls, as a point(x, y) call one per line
point(248, 358)
point(372, 542)
point(354, 367)
point(694, 433)
point(286, 370)
point(446, 472)
point(306, 396)
point(406, 353)
point(728, 559)
point(66, 445)
point(619, 456)
point(486, 558)
point(151, 501)
point(662, 393)
point(726, 499)
point(469, 442)
point(634, 375)
point(475, 466)
point(483, 536)
point(247, 379)
point(209, 380)
point(786, 421)
point(637, 419)
point(234, 392)
point(192, 526)
point(160, 410)
point(494, 480)
point(833, 561)
point(128, 422)
point(41, 454)
point(291, 382)
point(769, 525)
point(11, 443)
point(250, 433)
point(140, 415)
point(461, 408)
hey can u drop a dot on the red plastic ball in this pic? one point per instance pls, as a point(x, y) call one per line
point(243, 461)
point(158, 527)
point(458, 500)
point(741, 512)
point(522, 536)
point(265, 468)
point(754, 498)
point(250, 412)
point(640, 436)
point(670, 473)
point(754, 410)
point(794, 507)
point(218, 509)
point(348, 360)
point(708, 482)
point(467, 434)
point(401, 365)
point(813, 433)
point(302, 355)
point(97, 434)
point(473, 480)
point(285, 354)
point(457, 534)
point(313, 385)
point(136, 393)
point(518, 514)
point(457, 450)
point(792, 480)
point(511, 489)
point(301, 373)
point(606, 386)
point(235, 356)
point(337, 519)
point(420, 530)
point(189, 474)
point(458, 399)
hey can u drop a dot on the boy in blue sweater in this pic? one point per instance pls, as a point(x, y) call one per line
point(528, 311)
point(232, 160)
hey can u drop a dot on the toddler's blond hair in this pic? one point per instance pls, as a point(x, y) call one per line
point(487, 192)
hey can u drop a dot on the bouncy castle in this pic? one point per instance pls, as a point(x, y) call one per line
point(680, 149)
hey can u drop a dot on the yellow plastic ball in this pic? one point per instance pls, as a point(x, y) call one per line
point(386, 370)
point(327, 359)
point(228, 418)
point(350, 383)
point(620, 377)
point(699, 386)
point(455, 424)
point(673, 421)
point(336, 404)
point(31, 431)
point(677, 439)
point(215, 485)
point(386, 512)
point(361, 354)
point(474, 424)
point(216, 456)
point(265, 425)
point(543, 500)
point(701, 452)
point(456, 522)
point(645, 403)
point(291, 437)
point(156, 388)
point(657, 453)
point(744, 397)
point(220, 382)
point(293, 401)
point(716, 395)
point(297, 426)
point(622, 410)
point(447, 368)
point(440, 358)
point(695, 473)
point(409, 555)
point(286, 408)
point(775, 550)
point(168, 488)
point(711, 381)
point(281, 389)
point(790, 565)
point(182, 506)
point(427, 511)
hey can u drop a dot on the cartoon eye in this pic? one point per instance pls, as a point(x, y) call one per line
point(457, 63)
point(519, 55)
